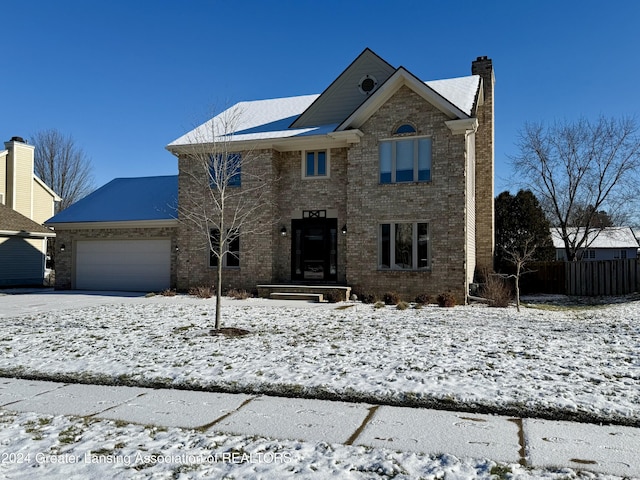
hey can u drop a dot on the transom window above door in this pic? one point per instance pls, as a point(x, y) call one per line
point(315, 164)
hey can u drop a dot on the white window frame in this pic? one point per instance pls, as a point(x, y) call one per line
point(416, 156)
point(414, 246)
point(304, 164)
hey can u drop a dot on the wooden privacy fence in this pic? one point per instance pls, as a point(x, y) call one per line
point(606, 277)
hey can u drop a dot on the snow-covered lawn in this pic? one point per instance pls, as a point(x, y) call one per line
point(569, 363)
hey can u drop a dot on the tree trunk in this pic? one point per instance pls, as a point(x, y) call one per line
point(218, 294)
point(518, 287)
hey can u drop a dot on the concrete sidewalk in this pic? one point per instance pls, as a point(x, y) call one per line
point(530, 442)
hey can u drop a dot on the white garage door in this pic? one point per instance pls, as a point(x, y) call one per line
point(133, 265)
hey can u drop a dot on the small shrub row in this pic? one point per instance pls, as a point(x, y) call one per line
point(496, 289)
point(238, 294)
point(202, 292)
point(446, 300)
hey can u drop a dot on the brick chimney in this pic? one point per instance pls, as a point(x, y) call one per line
point(485, 231)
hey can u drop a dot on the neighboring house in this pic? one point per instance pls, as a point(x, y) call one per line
point(612, 243)
point(384, 182)
point(25, 203)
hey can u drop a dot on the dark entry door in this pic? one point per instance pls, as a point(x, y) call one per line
point(314, 249)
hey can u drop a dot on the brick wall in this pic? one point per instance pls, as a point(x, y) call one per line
point(295, 194)
point(257, 235)
point(483, 66)
point(440, 202)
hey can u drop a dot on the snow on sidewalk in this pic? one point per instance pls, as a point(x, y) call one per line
point(532, 443)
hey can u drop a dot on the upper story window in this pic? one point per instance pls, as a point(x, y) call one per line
point(405, 160)
point(226, 169)
point(315, 164)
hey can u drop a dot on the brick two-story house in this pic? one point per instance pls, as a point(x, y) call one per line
point(382, 182)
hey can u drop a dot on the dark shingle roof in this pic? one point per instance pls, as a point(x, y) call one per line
point(12, 221)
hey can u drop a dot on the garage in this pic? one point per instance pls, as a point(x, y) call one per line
point(127, 265)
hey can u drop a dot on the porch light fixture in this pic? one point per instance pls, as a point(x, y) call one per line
point(283, 231)
point(344, 229)
point(62, 247)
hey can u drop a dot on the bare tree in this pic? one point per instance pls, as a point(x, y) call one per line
point(519, 255)
point(62, 165)
point(581, 168)
point(232, 191)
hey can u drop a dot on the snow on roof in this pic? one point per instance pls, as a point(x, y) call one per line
point(125, 199)
point(612, 237)
point(460, 91)
point(255, 120)
point(269, 119)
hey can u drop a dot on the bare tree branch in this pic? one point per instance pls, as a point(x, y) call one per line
point(62, 165)
point(581, 168)
point(232, 190)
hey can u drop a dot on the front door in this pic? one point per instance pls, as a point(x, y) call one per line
point(314, 249)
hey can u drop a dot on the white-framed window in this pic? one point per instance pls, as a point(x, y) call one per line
point(315, 164)
point(405, 160)
point(231, 259)
point(404, 246)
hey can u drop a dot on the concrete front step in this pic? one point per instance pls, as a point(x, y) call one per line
point(338, 293)
point(310, 297)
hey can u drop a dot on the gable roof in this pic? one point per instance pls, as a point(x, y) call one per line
point(333, 110)
point(343, 96)
point(125, 200)
point(611, 237)
point(463, 91)
point(14, 223)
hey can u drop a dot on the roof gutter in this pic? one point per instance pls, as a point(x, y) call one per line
point(25, 234)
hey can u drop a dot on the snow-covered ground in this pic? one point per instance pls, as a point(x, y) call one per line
point(568, 363)
point(577, 362)
point(58, 447)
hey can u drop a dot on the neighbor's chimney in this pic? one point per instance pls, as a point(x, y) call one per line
point(485, 242)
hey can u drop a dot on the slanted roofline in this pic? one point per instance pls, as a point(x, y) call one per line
point(402, 77)
point(56, 197)
point(367, 57)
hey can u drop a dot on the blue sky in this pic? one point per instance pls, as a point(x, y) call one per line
point(126, 77)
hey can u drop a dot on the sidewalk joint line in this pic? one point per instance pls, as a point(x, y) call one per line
point(356, 434)
point(521, 440)
point(219, 419)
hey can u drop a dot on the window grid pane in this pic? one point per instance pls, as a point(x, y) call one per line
point(404, 160)
point(322, 164)
point(385, 245)
point(424, 159)
point(385, 162)
point(404, 245)
point(311, 168)
point(423, 245)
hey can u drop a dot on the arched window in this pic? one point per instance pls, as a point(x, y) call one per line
point(404, 129)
